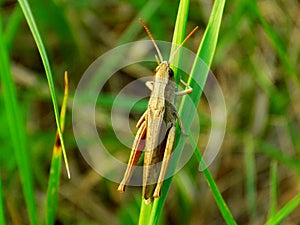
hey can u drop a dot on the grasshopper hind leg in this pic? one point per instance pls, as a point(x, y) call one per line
point(165, 162)
point(135, 154)
point(153, 171)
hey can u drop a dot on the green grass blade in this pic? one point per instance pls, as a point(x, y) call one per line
point(13, 26)
point(58, 24)
point(53, 183)
point(2, 218)
point(285, 211)
point(36, 35)
point(198, 75)
point(145, 213)
point(208, 45)
point(273, 189)
point(249, 160)
point(16, 129)
point(213, 187)
point(179, 34)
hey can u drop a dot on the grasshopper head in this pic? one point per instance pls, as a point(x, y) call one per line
point(163, 72)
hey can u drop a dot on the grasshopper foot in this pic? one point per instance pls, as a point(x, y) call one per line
point(156, 193)
point(121, 188)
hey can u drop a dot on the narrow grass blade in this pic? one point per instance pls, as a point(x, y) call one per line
point(249, 161)
point(36, 35)
point(145, 213)
point(198, 76)
point(213, 186)
point(13, 26)
point(51, 15)
point(285, 211)
point(16, 129)
point(273, 189)
point(2, 218)
point(179, 34)
point(53, 183)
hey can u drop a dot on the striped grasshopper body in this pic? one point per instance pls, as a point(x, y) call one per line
point(157, 127)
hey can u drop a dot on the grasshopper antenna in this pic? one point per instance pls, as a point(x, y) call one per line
point(182, 43)
point(152, 39)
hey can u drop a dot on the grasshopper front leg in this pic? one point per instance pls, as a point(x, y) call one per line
point(186, 91)
point(165, 162)
point(135, 154)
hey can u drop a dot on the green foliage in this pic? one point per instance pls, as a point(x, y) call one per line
point(16, 129)
point(251, 46)
point(2, 218)
point(37, 37)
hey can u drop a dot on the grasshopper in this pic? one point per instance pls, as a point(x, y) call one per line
point(156, 126)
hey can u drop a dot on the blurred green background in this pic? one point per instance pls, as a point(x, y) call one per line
point(256, 64)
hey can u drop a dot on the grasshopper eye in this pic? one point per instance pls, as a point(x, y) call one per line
point(170, 72)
